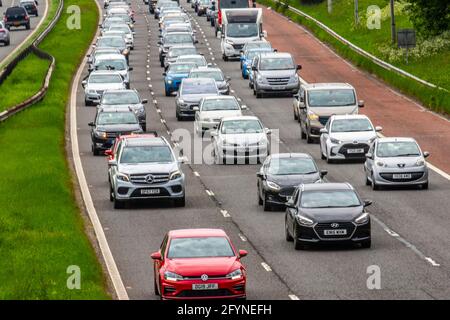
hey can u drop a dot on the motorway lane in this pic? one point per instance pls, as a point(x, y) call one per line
point(325, 273)
point(329, 273)
point(136, 232)
point(18, 35)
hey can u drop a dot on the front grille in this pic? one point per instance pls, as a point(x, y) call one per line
point(118, 133)
point(278, 81)
point(321, 227)
point(205, 293)
point(286, 191)
point(344, 150)
point(143, 177)
point(323, 120)
point(414, 176)
point(238, 46)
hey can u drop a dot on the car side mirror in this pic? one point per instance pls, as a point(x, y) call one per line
point(378, 129)
point(182, 160)
point(144, 101)
point(242, 253)
point(264, 33)
point(156, 256)
point(195, 109)
point(213, 134)
point(108, 152)
point(367, 203)
point(361, 103)
point(254, 68)
point(84, 83)
point(227, 79)
point(130, 68)
point(290, 204)
point(268, 131)
point(160, 42)
point(299, 67)
point(195, 41)
point(426, 154)
point(275, 50)
point(323, 130)
point(91, 124)
point(164, 74)
point(244, 107)
point(259, 174)
point(369, 156)
point(323, 173)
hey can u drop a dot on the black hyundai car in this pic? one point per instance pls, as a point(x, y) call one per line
point(281, 173)
point(16, 17)
point(327, 212)
point(110, 123)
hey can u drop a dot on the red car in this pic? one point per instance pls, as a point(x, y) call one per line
point(199, 264)
point(111, 153)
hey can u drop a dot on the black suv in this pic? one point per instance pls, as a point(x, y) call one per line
point(16, 17)
point(30, 6)
point(110, 123)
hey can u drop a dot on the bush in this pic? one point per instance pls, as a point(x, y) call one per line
point(430, 17)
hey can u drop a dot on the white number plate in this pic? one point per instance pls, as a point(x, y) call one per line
point(337, 232)
point(205, 286)
point(401, 176)
point(149, 191)
point(355, 150)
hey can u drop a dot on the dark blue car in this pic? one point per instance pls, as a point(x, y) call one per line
point(177, 71)
point(247, 57)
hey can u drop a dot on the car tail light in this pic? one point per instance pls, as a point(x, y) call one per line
point(5, 19)
point(2, 30)
point(219, 17)
point(26, 18)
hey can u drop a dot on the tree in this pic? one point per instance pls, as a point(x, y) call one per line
point(430, 17)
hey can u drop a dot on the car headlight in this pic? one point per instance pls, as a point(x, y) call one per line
point(362, 218)
point(226, 143)
point(92, 92)
point(101, 134)
point(175, 175)
point(180, 101)
point(229, 41)
point(304, 221)
point(335, 141)
point(236, 274)
point(125, 52)
point(380, 163)
point(295, 78)
point(122, 177)
point(419, 163)
point(259, 77)
point(172, 276)
point(169, 81)
point(206, 119)
point(371, 140)
point(312, 116)
point(272, 185)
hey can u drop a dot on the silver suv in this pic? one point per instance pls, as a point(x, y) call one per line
point(146, 168)
point(274, 72)
point(316, 102)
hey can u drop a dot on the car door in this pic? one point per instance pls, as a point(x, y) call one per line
point(324, 136)
point(262, 176)
point(158, 264)
point(252, 73)
point(369, 163)
point(291, 212)
point(302, 108)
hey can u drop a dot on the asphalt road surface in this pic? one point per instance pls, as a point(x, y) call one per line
point(410, 227)
point(18, 35)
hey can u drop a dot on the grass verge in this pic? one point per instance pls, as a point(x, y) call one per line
point(435, 99)
point(41, 230)
point(25, 81)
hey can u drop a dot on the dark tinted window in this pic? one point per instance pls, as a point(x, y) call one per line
point(200, 247)
point(15, 11)
point(224, 4)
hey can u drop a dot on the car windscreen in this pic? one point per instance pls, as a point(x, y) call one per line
point(205, 2)
point(15, 11)
point(199, 61)
point(172, 20)
point(105, 78)
point(216, 75)
point(242, 30)
point(114, 42)
point(329, 199)
point(241, 126)
point(276, 64)
point(227, 4)
point(124, 17)
point(180, 68)
point(200, 247)
point(198, 87)
point(220, 104)
point(258, 44)
point(175, 52)
point(108, 118)
point(331, 98)
point(146, 154)
point(351, 125)
point(287, 166)
point(124, 97)
point(177, 38)
point(253, 53)
point(111, 65)
point(398, 149)
point(168, 4)
point(123, 28)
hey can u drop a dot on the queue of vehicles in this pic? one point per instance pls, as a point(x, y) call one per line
point(144, 166)
point(17, 16)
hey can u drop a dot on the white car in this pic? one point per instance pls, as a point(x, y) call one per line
point(99, 81)
point(240, 138)
point(212, 109)
point(347, 137)
point(115, 62)
point(129, 35)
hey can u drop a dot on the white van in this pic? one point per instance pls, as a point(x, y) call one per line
point(240, 26)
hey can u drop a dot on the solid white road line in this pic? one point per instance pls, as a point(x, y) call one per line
point(103, 243)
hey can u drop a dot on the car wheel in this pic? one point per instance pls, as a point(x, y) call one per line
point(367, 180)
point(260, 202)
point(374, 184)
point(224, 57)
point(258, 94)
point(111, 193)
point(295, 115)
point(266, 206)
point(87, 103)
point(250, 85)
point(322, 156)
point(212, 22)
point(302, 133)
point(288, 236)
point(95, 151)
point(425, 186)
point(308, 137)
point(167, 92)
point(118, 204)
point(366, 244)
point(180, 202)
point(155, 287)
point(298, 245)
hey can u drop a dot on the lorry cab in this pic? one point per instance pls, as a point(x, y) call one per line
point(240, 26)
point(219, 5)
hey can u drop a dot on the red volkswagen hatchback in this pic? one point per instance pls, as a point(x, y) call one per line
point(199, 264)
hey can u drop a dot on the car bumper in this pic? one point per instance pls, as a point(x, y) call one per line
point(343, 151)
point(248, 153)
point(173, 86)
point(208, 125)
point(103, 144)
point(314, 234)
point(93, 98)
point(314, 129)
point(187, 111)
point(16, 23)
point(181, 290)
point(419, 176)
point(290, 87)
point(278, 198)
point(172, 189)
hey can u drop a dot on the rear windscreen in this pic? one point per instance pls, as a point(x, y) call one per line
point(227, 4)
point(15, 11)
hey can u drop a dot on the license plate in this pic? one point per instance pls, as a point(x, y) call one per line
point(205, 286)
point(355, 150)
point(149, 191)
point(401, 176)
point(17, 23)
point(337, 232)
